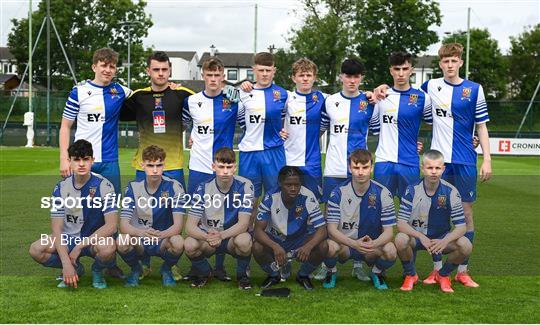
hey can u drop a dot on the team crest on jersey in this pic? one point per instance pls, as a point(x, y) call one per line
point(413, 99)
point(113, 92)
point(372, 200)
point(92, 191)
point(441, 202)
point(226, 105)
point(315, 98)
point(466, 93)
point(164, 195)
point(363, 106)
point(277, 95)
point(158, 103)
point(298, 211)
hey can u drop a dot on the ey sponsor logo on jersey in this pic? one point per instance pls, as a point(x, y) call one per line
point(362, 106)
point(441, 201)
point(466, 93)
point(413, 99)
point(96, 117)
point(159, 121)
point(372, 201)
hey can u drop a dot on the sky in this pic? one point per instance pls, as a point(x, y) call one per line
point(186, 25)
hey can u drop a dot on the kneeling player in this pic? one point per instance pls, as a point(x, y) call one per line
point(289, 224)
point(428, 210)
point(360, 221)
point(84, 230)
point(152, 221)
point(219, 219)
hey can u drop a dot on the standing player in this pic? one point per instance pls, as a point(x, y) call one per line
point(76, 228)
point(289, 224)
point(155, 215)
point(399, 116)
point(360, 219)
point(219, 219)
point(428, 210)
point(260, 114)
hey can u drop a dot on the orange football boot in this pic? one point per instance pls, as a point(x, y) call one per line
point(465, 279)
point(409, 282)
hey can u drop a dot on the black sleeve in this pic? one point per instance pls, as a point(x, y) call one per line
point(128, 110)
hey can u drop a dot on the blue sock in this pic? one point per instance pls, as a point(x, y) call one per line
point(146, 259)
point(436, 257)
point(384, 264)
point(470, 236)
point(408, 267)
point(330, 262)
point(169, 259)
point(132, 260)
point(268, 269)
point(306, 268)
point(447, 268)
point(201, 264)
point(242, 263)
point(99, 265)
point(53, 261)
point(220, 261)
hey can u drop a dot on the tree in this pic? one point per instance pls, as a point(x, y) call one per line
point(84, 26)
point(524, 63)
point(371, 29)
point(487, 66)
point(283, 61)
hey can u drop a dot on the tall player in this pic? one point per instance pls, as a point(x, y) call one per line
point(219, 219)
point(428, 210)
point(155, 215)
point(95, 105)
point(73, 228)
point(360, 222)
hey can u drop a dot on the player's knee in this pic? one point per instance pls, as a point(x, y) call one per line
point(177, 244)
point(401, 241)
point(36, 251)
point(106, 251)
point(323, 248)
point(257, 248)
point(243, 243)
point(389, 251)
point(192, 247)
point(464, 245)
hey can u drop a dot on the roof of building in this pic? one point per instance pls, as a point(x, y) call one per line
point(237, 60)
point(7, 76)
point(186, 55)
point(5, 53)
point(425, 61)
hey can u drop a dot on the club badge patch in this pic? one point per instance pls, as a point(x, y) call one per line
point(363, 105)
point(413, 99)
point(441, 202)
point(466, 93)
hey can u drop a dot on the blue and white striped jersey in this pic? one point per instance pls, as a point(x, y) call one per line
point(213, 120)
point(96, 109)
point(155, 210)
point(219, 210)
point(303, 124)
point(347, 120)
point(358, 216)
point(260, 115)
point(456, 110)
point(284, 224)
point(399, 116)
point(432, 215)
point(84, 219)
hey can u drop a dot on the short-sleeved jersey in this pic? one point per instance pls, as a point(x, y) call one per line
point(302, 123)
point(84, 219)
point(159, 121)
point(96, 109)
point(219, 210)
point(456, 110)
point(260, 115)
point(399, 116)
point(155, 210)
point(358, 216)
point(432, 215)
point(348, 120)
point(213, 121)
point(283, 223)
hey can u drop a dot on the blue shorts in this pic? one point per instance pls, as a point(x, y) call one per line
point(329, 184)
point(463, 177)
point(262, 167)
point(418, 244)
point(109, 170)
point(153, 250)
point(396, 177)
point(290, 244)
point(176, 174)
point(312, 181)
point(196, 178)
point(87, 251)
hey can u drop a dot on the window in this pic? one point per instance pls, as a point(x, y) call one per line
point(413, 78)
point(232, 74)
point(249, 75)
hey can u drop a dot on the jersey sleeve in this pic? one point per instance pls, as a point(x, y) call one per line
point(424, 86)
point(333, 209)
point(388, 212)
point(128, 209)
point(248, 195)
point(285, 99)
point(128, 92)
point(405, 207)
point(129, 108)
point(315, 216)
point(241, 117)
point(428, 113)
point(457, 216)
point(57, 211)
point(374, 122)
point(186, 114)
point(197, 210)
point(106, 189)
point(264, 213)
point(178, 198)
point(481, 112)
point(325, 119)
point(72, 105)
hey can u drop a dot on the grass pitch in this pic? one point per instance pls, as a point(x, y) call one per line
point(505, 261)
